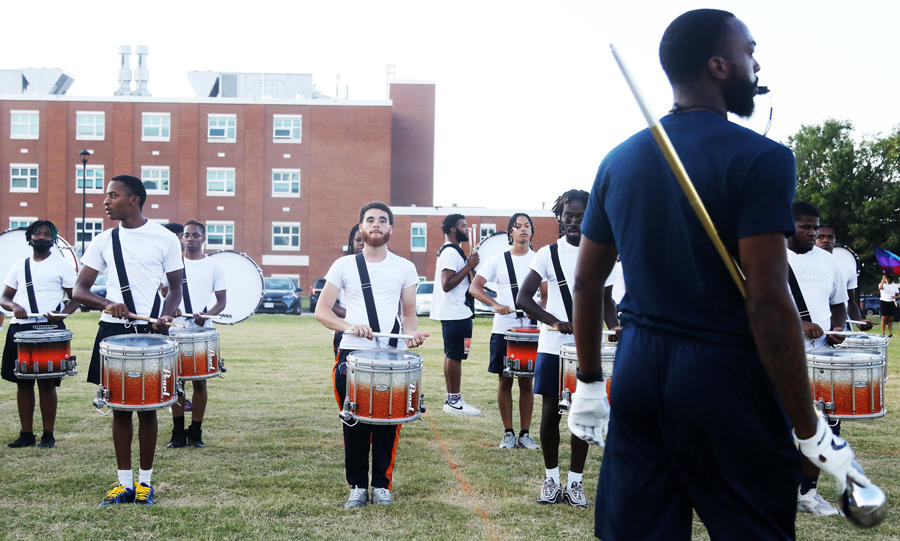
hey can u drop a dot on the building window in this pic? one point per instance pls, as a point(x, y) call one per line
point(24, 125)
point(155, 126)
point(285, 183)
point(90, 125)
point(93, 180)
point(287, 128)
point(220, 181)
point(487, 230)
point(286, 236)
point(156, 179)
point(222, 129)
point(23, 177)
point(92, 228)
point(418, 237)
point(17, 222)
point(220, 235)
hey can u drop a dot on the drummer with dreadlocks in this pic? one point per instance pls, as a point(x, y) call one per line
point(36, 285)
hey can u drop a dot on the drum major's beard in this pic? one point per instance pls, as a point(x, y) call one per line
point(376, 242)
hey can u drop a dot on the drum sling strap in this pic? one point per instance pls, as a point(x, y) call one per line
point(29, 287)
point(123, 278)
point(470, 300)
point(561, 280)
point(798, 296)
point(370, 300)
point(513, 283)
point(185, 294)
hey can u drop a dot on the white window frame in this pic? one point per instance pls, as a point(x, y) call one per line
point(481, 230)
point(424, 235)
point(209, 234)
point(102, 124)
point(20, 220)
point(225, 193)
point(291, 138)
point(283, 172)
point(78, 176)
point(36, 124)
point(286, 248)
point(161, 169)
point(27, 188)
point(161, 116)
point(94, 231)
point(224, 138)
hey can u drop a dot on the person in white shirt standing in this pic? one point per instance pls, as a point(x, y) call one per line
point(506, 270)
point(393, 281)
point(826, 239)
point(41, 290)
point(452, 305)
point(889, 294)
point(203, 277)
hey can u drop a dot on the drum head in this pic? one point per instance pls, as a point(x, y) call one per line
point(847, 257)
point(389, 357)
point(14, 247)
point(848, 356)
point(137, 342)
point(245, 287)
point(490, 246)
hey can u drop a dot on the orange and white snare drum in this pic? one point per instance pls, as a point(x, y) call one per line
point(521, 351)
point(847, 384)
point(384, 387)
point(198, 353)
point(44, 354)
point(568, 365)
point(868, 342)
point(138, 372)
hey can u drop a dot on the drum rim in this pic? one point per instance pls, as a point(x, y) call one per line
point(838, 355)
point(46, 334)
point(526, 329)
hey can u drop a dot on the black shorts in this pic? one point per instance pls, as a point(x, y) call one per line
point(11, 353)
point(105, 331)
point(498, 352)
point(457, 338)
point(887, 309)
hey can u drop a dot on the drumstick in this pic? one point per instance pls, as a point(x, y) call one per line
point(518, 311)
point(846, 333)
point(858, 322)
point(54, 314)
point(150, 319)
point(387, 335)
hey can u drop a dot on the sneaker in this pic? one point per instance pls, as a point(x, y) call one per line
point(813, 503)
point(47, 441)
point(195, 437)
point(381, 496)
point(26, 439)
point(460, 408)
point(574, 495)
point(527, 442)
point(179, 439)
point(117, 494)
point(358, 498)
point(143, 494)
point(550, 493)
point(509, 441)
point(187, 405)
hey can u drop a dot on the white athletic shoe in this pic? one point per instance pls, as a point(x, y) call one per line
point(527, 442)
point(551, 492)
point(813, 503)
point(381, 496)
point(509, 441)
point(460, 408)
point(358, 498)
point(574, 495)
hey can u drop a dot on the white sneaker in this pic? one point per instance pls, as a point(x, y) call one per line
point(813, 503)
point(527, 442)
point(460, 408)
point(509, 441)
point(574, 495)
point(358, 498)
point(381, 496)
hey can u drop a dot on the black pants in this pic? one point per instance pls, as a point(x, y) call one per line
point(105, 331)
point(358, 439)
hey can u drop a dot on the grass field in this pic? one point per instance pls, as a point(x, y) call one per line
point(273, 466)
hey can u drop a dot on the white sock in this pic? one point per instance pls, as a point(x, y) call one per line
point(574, 478)
point(553, 474)
point(144, 476)
point(126, 478)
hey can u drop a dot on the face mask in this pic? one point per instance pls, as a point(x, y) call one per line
point(42, 245)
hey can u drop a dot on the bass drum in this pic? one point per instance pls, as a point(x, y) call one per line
point(244, 287)
point(14, 247)
point(847, 258)
point(495, 244)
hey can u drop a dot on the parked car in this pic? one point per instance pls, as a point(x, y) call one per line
point(280, 296)
point(869, 305)
point(315, 292)
point(425, 292)
point(99, 288)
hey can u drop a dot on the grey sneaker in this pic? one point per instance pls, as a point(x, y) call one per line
point(358, 498)
point(550, 493)
point(574, 495)
point(813, 503)
point(509, 441)
point(381, 496)
point(527, 442)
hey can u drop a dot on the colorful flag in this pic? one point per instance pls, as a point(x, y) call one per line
point(890, 262)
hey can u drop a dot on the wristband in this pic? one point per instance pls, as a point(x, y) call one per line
point(590, 377)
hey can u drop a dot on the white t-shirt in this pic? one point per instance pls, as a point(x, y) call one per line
point(888, 291)
point(618, 279)
point(204, 277)
point(822, 285)
point(449, 305)
point(389, 278)
point(149, 252)
point(494, 270)
point(50, 277)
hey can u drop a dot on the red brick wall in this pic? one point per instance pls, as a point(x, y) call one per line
point(412, 176)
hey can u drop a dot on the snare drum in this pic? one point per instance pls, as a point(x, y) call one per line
point(521, 351)
point(384, 387)
point(138, 372)
point(198, 353)
point(848, 384)
point(869, 342)
point(568, 364)
point(44, 354)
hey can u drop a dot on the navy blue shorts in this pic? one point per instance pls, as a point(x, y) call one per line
point(457, 338)
point(498, 352)
point(694, 426)
point(546, 374)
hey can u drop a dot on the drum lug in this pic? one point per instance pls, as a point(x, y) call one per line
point(565, 402)
point(70, 366)
point(421, 403)
point(222, 368)
point(100, 401)
point(179, 390)
point(507, 370)
point(346, 414)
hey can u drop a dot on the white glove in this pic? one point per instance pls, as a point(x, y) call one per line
point(589, 413)
point(833, 455)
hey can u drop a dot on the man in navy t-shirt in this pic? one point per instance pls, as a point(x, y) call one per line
point(700, 373)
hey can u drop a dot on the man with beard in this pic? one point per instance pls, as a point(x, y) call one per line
point(391, 282)
point(452, 305)
point(38, 283)
point(707, 383)
point(826, 240)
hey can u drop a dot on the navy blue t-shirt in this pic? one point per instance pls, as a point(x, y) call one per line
point(675, 279)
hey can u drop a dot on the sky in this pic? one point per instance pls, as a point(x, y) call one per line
point(529, 99)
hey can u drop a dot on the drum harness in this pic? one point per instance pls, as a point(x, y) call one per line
point(470, 300)
point(513, 282)
point(369, 298)
point(32, 299)
point(125, 287)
